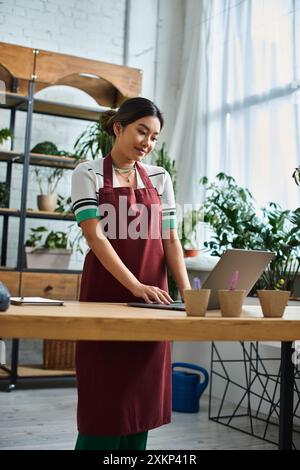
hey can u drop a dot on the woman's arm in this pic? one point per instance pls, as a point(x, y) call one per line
point(107, 256)
point(175, 260)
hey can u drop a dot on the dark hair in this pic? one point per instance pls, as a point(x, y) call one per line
point(131, 110)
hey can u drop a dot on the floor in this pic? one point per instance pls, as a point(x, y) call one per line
point(45, 419)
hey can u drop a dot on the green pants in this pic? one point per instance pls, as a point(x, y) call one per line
point(130, 442)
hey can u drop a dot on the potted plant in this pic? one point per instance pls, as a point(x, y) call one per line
point(237, 223)
point(47, 199)
point(5, 139)
point(48, 249)
point(188, 233)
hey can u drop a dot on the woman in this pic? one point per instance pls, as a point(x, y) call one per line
point(124, 388)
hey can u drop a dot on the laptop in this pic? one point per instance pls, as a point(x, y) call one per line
point(249, 263)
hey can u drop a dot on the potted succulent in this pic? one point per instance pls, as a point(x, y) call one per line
point(5, 139)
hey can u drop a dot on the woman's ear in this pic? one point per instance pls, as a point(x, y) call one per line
point(117, 128)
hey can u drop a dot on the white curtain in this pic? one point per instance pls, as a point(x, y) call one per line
point(240, 98)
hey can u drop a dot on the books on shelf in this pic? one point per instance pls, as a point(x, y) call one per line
point(34, 301)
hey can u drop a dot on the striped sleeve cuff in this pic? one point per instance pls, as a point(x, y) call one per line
point(87, 214)
point(168, 219)
point(85, 209)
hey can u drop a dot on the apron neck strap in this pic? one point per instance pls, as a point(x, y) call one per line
point(108, 173)
point(143, 174)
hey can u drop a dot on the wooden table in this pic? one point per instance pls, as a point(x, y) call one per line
point(101, 321)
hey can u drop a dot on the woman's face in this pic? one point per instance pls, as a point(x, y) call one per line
point(137, 139)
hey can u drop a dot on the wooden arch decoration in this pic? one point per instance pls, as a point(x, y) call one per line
point(108, 84)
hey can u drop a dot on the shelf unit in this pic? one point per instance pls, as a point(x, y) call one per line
point(25, 71)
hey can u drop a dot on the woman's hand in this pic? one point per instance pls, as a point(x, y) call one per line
point(152, 294)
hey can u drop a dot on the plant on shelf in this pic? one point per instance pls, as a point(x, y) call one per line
point(49, 148)
point(5, 139)
point(47, 181)
point(51, 249)
point(237, 223)
point(47, 199)
point(93, 142)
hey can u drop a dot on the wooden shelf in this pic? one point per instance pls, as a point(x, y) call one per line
point(9, 211)
point(10, 100)
point(49, 215)
point(39, 159)
point(86, 113)
point(56, 161)
point(10, 156)
point(37, 371)
point(34, 214)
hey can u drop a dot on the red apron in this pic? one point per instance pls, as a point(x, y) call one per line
point(124, 387)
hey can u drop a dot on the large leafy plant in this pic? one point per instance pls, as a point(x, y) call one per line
point(231, 212)
point(93, 142)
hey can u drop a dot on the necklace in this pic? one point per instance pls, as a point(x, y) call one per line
point(125, 172)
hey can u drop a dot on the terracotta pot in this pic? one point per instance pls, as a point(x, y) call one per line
point(273, 302)
point(196, 301)
point(231, 302)
point(189, 253)
point(47, 202)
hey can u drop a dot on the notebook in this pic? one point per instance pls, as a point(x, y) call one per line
point(172, 306)
point(34, 301)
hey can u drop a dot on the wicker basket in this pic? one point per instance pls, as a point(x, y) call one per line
point(59, 355)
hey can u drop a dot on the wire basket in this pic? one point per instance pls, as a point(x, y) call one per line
point(59, 354)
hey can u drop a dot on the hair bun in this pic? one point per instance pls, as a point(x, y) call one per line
point(107, 122)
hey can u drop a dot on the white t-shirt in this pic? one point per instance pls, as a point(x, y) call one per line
point(87, 179)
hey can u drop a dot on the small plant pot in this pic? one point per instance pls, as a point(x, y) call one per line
point(47, 202)
point(231, 302)
point(273, 302)
point(42, 258)
point(196, 301)
point(5, 146)
point(190, 253)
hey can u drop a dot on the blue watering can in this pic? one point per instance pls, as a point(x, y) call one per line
point(187, 388)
